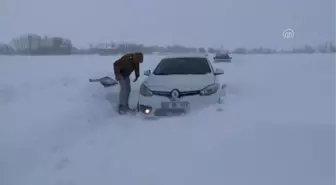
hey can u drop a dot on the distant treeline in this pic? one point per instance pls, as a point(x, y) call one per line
point(115, 49)
point(119, 49)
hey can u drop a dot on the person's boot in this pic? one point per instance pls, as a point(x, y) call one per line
point(130, 110)
point(121, 110)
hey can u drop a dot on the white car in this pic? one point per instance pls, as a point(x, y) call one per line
point(179, 84)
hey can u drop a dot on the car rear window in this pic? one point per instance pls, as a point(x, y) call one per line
point(183, 66)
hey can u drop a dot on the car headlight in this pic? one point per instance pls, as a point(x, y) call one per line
point(209, 90)
point(145, 91)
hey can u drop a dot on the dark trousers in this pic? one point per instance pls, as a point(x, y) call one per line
point(125, 90)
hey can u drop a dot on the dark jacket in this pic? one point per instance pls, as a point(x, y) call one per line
point(128, 63)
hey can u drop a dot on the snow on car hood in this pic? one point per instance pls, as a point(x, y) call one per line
point(180, 82)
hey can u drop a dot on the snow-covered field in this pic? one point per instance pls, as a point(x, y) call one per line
point(277, 127)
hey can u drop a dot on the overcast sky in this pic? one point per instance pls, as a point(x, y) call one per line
point(209, 23)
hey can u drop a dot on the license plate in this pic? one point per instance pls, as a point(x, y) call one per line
point(175, 105)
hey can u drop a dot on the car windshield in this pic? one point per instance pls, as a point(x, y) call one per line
point(183, 66)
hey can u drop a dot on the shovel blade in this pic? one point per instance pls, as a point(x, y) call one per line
point(105, 81)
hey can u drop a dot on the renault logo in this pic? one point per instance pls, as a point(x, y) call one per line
point(175, 94)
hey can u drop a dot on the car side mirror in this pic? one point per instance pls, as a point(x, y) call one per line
point(147, 72)
point(219, 72)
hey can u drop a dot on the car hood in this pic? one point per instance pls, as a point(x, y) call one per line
point(180, 82)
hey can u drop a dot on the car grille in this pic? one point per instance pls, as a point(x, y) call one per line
point(183, 93)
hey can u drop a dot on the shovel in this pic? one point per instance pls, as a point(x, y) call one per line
point(105, 81)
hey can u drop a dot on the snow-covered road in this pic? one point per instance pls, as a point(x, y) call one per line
point(277, 127)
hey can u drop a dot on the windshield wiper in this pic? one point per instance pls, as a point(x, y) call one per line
point(161, 74)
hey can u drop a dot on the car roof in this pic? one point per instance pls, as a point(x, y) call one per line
point(186, 55)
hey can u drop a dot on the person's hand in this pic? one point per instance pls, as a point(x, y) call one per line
point(136, 78)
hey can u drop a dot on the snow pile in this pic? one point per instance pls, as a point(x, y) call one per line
point(277, 126)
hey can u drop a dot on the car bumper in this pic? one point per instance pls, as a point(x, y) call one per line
point(152, 106)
